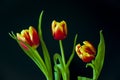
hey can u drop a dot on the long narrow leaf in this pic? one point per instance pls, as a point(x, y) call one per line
point(44, 48)
point(57, 73)
point(40, 24)
point(73, 51)
point(57, 58)
point(97, 64)
point(83, 78)
point(99, 60)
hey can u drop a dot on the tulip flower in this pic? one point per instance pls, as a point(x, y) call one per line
point(86, 52)
point(59, 30)
point(29, 36)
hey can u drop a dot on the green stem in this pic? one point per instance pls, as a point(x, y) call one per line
point(66, 74)
point(65, 69)
point(62, 52)
point(57, 75)
point(94, 75)
point(49, 78)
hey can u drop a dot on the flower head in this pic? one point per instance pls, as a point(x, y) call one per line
point(86, 52)
point(29, 36)
point(59, 30)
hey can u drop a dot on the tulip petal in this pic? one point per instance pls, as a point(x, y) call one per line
point(29, 36)
point(87, 43)
point(59, 30)
point(33, 36)
point(86, 52)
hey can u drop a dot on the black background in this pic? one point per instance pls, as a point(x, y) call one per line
point(85, 17)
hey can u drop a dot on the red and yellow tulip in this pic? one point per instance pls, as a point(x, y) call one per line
point(86, 52)
point(59, 30)
point(29, 36)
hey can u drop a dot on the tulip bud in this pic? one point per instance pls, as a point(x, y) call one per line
point(86, 52)
point(29, 36)
point(59, 30)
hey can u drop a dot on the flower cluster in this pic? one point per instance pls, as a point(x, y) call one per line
point(30, 39)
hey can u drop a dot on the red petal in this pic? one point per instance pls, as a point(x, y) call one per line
point(59, 35)
point(34, 36)
point(87, 59)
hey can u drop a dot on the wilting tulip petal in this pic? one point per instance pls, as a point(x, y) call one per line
point(59, 30)
point(86, 52)
point(29, 36)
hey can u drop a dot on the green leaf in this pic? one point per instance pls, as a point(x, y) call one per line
point(58, 66)
point(40, 24)
point(44, 48)
point(99, 60)
point(101, 52)
point(97, 64)
point(73, 51)
point(83, 78)
point(57, 59)
point(57, 73)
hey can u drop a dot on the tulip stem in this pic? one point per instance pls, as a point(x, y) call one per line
point(62, 52)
